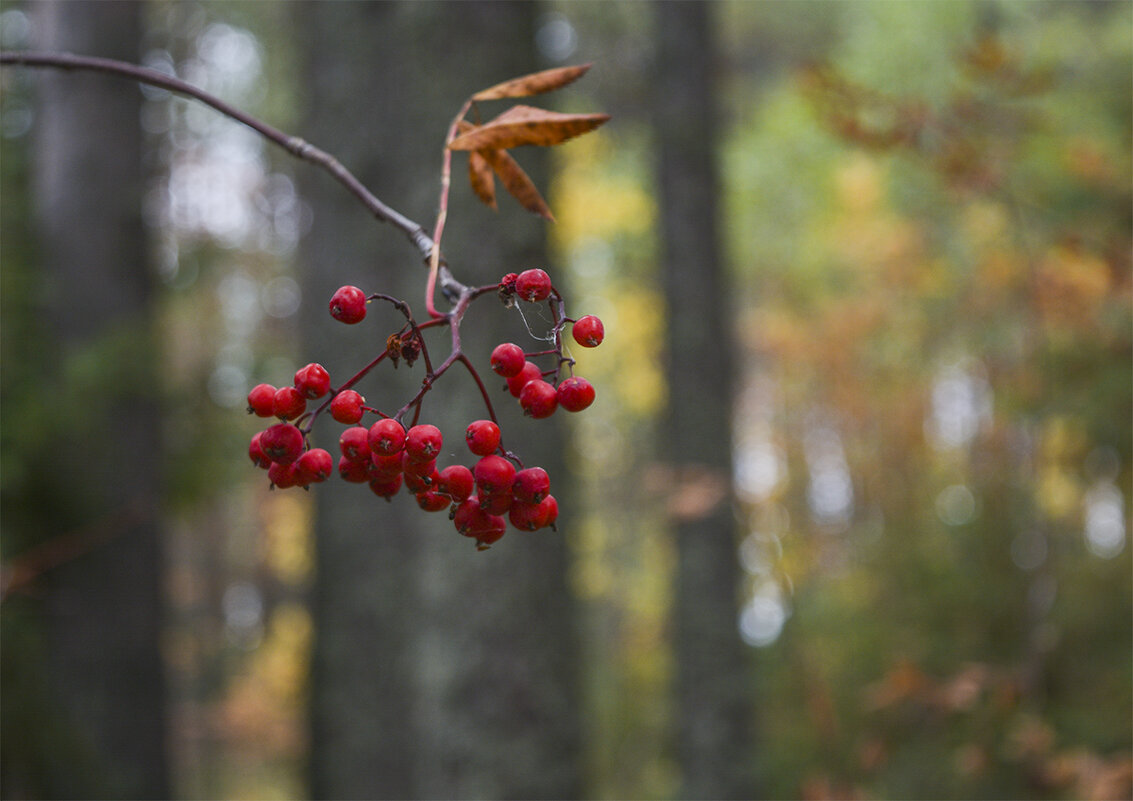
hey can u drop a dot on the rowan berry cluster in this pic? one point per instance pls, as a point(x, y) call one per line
point(389, 454)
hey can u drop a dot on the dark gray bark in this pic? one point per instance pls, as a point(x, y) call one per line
point(439, 671)
point(94, 513)
point(713, 682)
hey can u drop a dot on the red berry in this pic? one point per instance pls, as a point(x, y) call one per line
point(531, 485)
point(385, 465)
point(433, 501)
point(354, 443)
point(261, 400)
point(533, 285)
point(346, 407)
point(348, 304)
point(283, 476)
point(494, 475)
point(470, 519)
point(456, 481)
point(552, 507)
point(507, 283)
point(354, 472)
point(313, 381)
point(575, 394)
point(496, 503)
point(256, 452)
point(483, 437)
point(538, 399)
point(532, 516)
point(588, 331)
point(282, 443)
point(529, 372)
point(288, 403)
point(316, 465)
point(507, 359)
point(422, 482)
point(387, 436)
point(485, 538)
point(386, 488)
point(423, 443)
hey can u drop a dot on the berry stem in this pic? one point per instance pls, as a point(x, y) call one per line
point(350, 382)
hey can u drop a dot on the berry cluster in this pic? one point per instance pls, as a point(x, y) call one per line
point(389, 454)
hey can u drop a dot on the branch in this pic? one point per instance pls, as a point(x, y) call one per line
point(294, 145)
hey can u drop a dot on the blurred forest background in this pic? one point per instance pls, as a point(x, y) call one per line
point(849, 518)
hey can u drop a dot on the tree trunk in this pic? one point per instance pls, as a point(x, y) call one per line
point(713, 682)
point(86, 502)
point(439, 671)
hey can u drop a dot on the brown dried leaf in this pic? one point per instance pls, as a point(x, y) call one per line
point(516, 181)
point(533, 84)
point(480, 177)
point(527, 125)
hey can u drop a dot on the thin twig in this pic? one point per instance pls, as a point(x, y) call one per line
point(296, 146)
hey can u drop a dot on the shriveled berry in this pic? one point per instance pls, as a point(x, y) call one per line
point(261, 400)
point(433, 501)
point(387, 436)
point(283, 476)
point(538, 399)
point(588, 331)
point(575, 394)
point(354, 472)
point(494, 475)
point(507, 359)
point(256, 452)
point(533, 285)
point(423, 442)
point(483, 437)
point(529, 372)
point(346, 407)
point(348, 304)
point(354, 443)
point(531, 485)
point(288, 403)
point(386, 488)
point(456, 481)
point(313, 381)
point(282, 443)
point(316, 465)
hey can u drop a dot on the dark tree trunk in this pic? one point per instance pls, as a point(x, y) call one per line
point(713, 682)
point(438, 671)
point(89, 512)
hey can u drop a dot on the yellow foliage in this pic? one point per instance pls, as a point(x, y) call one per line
point(628, 361)
point(1057, 493)
point(593, 201)
point(287, 536)
point(1072, 283)
point(860, 185)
